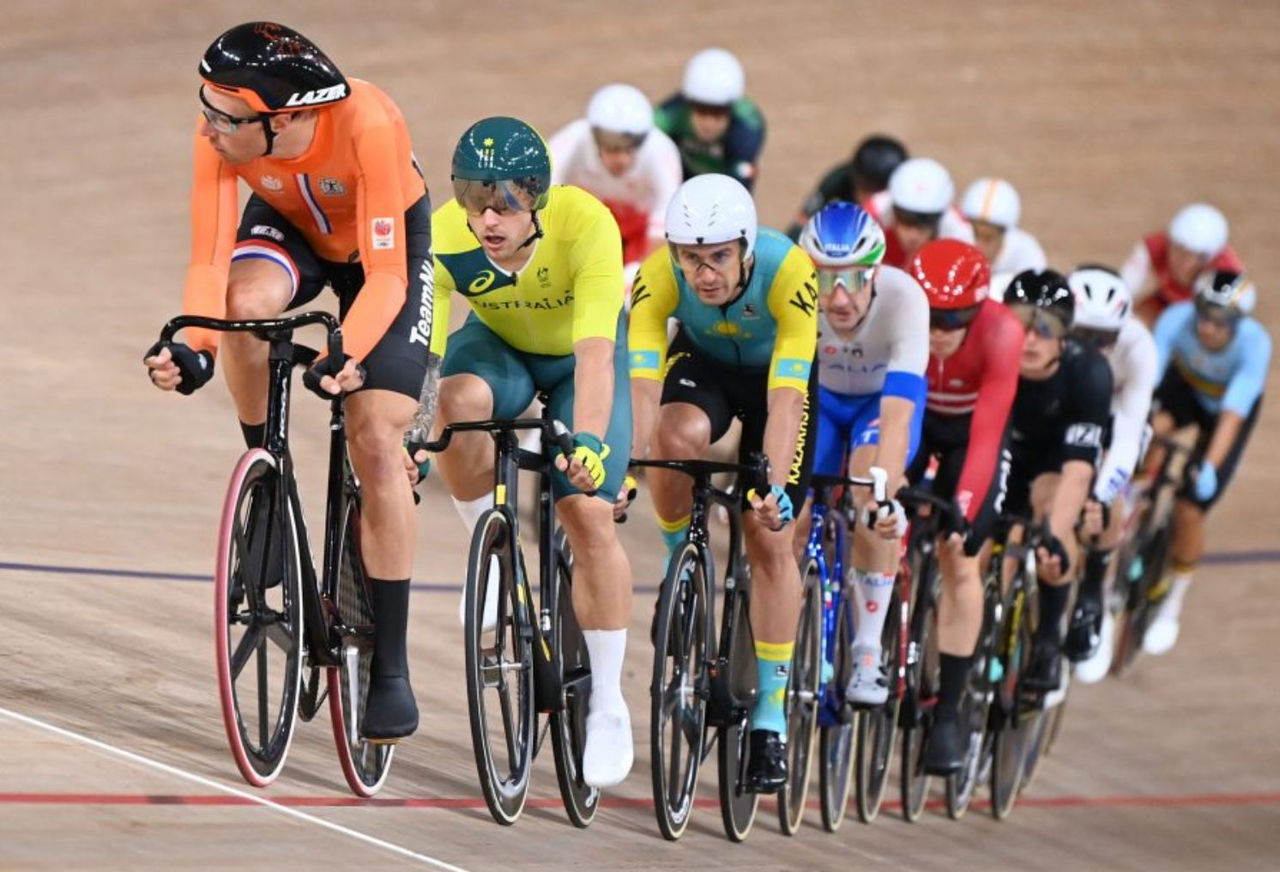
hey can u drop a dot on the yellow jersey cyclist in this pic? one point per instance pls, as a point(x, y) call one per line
point(746, 302)
point(542, 270)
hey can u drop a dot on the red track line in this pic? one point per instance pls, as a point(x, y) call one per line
point(1137, 801)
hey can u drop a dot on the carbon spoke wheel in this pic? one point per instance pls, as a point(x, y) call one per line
point(878, 727)
point(569, 723)
point(802, 702)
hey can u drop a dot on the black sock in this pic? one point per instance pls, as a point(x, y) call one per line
point(1053, 602)
point(1095, 572)
point(255, 435)
point(391, 621)
point(955, 671)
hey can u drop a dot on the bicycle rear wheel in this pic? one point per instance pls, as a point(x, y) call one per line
point(678, 690)
point(569, 722)
point(1146, 592)
point(922, 685)
point(499, 665)
point(258, 618)
point(365, 764)
point(976, 708)
point(737, 806)
point(878, 727)
point(802, 702)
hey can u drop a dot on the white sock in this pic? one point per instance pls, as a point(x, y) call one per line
point(606, 648)
point(1177, 591)
point(471, 510)
point(871, 593)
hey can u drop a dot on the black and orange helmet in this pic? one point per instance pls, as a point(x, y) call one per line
point(273, 68)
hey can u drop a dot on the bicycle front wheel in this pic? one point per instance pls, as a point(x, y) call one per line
point(802, 701)
point(569, 721)
point(499, 669)
point(258, 618)
point(836, 740)
point(878, 727)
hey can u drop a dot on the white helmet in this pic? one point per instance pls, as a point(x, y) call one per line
point(620, 109)
point(714, 77)
point(712, 208)
point(994, 201)
point(1103, 300)
point(921, 185)
point(1199, 228)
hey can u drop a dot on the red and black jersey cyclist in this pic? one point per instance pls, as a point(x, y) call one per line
point(1061, 417)
point(974, 344)
point(337, 199)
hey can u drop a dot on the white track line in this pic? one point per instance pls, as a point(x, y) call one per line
point(206, 782)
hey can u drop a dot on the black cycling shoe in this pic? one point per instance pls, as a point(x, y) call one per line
point(1045, 670)
point(766, 763)
point(390, 711)
point(944, 749)
point(1085, 631)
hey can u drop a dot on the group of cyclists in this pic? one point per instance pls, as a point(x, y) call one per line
point(887, 328)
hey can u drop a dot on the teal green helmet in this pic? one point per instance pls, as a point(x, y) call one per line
point(501, 163)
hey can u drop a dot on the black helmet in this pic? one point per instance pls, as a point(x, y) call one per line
point(1047, 290)
point(272, 68)
point(875, 159)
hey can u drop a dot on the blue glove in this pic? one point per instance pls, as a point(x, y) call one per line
point(1206, 481)
point(786, 511)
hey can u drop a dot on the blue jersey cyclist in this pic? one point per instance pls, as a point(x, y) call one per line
point(541, 268)
point(873, 348)
point(746, 302)
point(1213, 358)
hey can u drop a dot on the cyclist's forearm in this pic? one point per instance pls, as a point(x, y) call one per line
point(592, 385)
point(782, 431)
point(1224, 436)
point(1068, 500)
point(895, 435)
point(646, 395)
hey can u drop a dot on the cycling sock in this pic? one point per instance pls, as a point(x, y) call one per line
point(871, 593)
point(1053, 603)
point(606, 649)
point(1095, 573)
point(673, 533)
point(955, 670)
point(1177, 591)
point(390, 621)
point(773, 665)
point(471, 510)
point(255, 435)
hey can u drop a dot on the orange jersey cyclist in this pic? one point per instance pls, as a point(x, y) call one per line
point(338, 200)
point(746, 300)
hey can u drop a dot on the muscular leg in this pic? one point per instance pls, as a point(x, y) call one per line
point(683, 432)
point(256, 288)
point(376, 422)
point(467, 464)
point(601, 570)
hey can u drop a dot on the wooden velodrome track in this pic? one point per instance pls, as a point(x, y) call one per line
point(109, 492)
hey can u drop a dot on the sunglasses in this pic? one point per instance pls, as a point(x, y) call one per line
point(221, 121)
point(952, 319)
point(504, 197)
point(1100, 339)
point(852, 280)
point(1044, 324)
point(1219, 316)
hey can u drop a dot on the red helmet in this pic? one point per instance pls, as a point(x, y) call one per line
point(954, 274)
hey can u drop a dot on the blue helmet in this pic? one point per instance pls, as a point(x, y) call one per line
point(843, 236)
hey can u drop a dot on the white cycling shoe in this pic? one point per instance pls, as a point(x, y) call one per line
point(1095, 668)
point(610, 748)
point(1161, 636)
point(490, 600)
point(867, 685)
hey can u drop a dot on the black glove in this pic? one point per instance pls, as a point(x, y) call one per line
point(327, 365)
point(195, 367)
point(1054, 546)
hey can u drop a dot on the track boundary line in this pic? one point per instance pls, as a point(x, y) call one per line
point(244, 797)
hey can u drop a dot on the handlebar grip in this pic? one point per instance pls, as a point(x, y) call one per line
point(879, 485)
point(335, 345)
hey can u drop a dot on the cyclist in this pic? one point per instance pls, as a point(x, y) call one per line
point(993, 207)
point(746, 302)
point(873, 345)
point(716, 126)
point(337, 199)
point(615, 154)
point(1213, 360)
point(1163, 265)
point(972, 375)
point(542, 270)
point(1060, 419)
point(854, 181)
point(917, 208)
point(1103, 309)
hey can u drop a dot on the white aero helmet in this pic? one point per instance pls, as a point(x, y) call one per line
point(994, 201)
point(921, 185)
point(620, 109)
point(714, 77)
point(1199, 228)
point(710, 209)
point(1103, 300)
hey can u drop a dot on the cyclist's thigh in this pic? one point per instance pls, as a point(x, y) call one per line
point(268, 246)
point(556, 376)
point(1174, 397)
point(749, 394)
point(836, 413)
point(866, 427)
point(692, 379)
point(476, 350)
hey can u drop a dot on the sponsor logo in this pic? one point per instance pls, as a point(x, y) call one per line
point(267, 231)
point(955, 383)
point(805, 299)
point(271, 183)
point(421, 332)
point(319, 95)
point(384, 233)
point(830, 349)
point(544, 276)
point(332, 187)
point(873, 606)
point(1085, 435)
point(797, 459)
point(482, 282)
point(749, 310)
point(688, 383)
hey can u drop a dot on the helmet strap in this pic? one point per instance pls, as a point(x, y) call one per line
point(269, 133)
point(537, 231)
